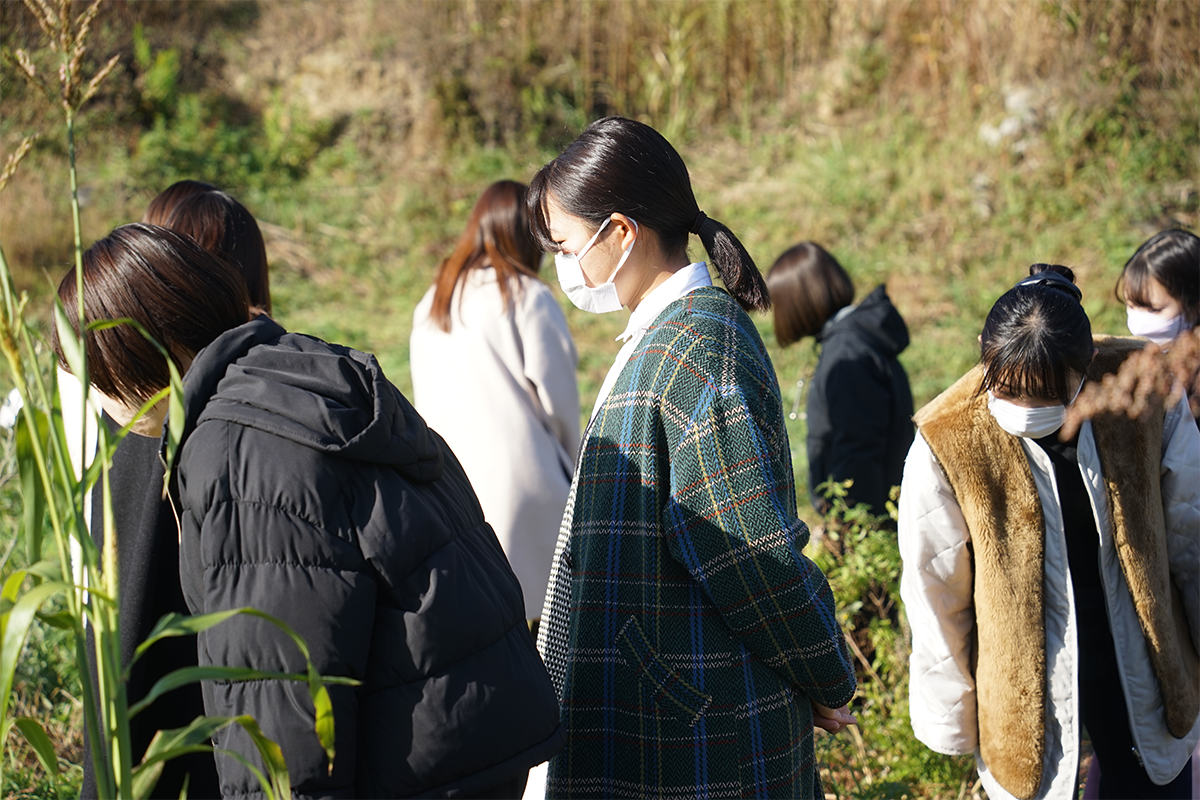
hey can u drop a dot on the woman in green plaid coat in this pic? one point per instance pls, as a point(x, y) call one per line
point(693, 645)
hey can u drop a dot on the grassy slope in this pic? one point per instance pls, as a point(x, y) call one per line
point(894, 189)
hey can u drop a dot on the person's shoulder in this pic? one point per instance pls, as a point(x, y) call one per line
point(707, 312)
point(421, 312)
point(534, 296)
point(709, 333)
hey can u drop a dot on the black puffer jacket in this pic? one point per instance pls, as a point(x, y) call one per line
point(859, 403)
point(309, 488)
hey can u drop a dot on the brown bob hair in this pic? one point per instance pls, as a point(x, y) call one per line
point(183, 295)
point(808, 286)
point(160, 207)
point(222, 225)
point(498, 236)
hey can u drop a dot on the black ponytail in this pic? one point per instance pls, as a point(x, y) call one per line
point(618, 165)
point(737, 269)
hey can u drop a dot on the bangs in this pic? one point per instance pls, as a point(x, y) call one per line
point(1038, 375)
point(1133, 287)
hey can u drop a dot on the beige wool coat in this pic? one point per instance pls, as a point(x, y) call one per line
point(500, 388)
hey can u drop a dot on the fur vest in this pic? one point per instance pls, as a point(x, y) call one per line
point(995, 489)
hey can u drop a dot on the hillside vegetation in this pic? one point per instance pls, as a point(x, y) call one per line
point(939, 146)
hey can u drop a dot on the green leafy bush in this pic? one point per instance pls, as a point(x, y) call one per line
point(880, 758)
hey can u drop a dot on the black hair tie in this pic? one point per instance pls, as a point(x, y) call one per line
point(1053, 280)
point(698, 222)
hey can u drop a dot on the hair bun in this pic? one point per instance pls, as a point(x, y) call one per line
point(1055, 276)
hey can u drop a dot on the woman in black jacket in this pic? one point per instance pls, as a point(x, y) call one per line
point(859, 402)
point(309, 488)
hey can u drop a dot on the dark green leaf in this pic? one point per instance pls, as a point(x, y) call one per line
point(32, 730)
point(61, 620)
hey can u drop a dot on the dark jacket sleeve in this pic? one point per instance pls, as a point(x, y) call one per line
point(850, 410)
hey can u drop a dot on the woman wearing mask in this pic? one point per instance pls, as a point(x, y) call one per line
point(859, 402)
point(1053, 585)
point(692, 643)
point(493, 370)
point(1160, 286)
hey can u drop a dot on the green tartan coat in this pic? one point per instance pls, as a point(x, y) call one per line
point(697, 630)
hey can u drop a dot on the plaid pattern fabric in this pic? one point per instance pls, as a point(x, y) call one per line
point(696, 630)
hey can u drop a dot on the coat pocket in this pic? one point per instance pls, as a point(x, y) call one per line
point(670, 691)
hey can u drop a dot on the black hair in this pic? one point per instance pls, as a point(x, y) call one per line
point(618, 165)
point(1173, 259)
point(1035, 336)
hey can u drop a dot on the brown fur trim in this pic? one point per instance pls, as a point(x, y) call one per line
point(1004, 516)
point(993, 483)
point(1131, 475)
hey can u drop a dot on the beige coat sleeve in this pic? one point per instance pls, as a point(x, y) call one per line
point(936, 589)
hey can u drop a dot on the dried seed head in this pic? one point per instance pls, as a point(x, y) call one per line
point(10, 166)
point(98, 78)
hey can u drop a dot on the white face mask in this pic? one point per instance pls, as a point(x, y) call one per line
point(1153, 327)
point(594, 299)
point(1029, 423)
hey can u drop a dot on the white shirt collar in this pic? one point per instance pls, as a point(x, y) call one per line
point(693, 276)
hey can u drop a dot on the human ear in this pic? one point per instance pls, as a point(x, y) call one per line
point(626, 230)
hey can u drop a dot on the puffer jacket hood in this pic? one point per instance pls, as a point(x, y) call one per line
point(308, 488)
point(875, 320)
point(332, 399)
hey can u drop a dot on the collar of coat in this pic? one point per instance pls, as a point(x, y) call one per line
point(993, 483)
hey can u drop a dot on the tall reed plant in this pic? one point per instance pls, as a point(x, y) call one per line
point(70, 582)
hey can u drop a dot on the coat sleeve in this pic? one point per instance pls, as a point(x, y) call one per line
point(550, 364)
point(1181, 507)
point(936, 587)
point(730, 520)
point(858, 407)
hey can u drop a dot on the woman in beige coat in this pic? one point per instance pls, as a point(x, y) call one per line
point(493, 369)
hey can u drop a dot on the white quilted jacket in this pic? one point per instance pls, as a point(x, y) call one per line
point(936, 587)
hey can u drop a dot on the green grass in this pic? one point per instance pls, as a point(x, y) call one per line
point(894, 187)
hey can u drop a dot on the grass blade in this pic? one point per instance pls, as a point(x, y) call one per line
point(68, 339)
point(32, 491)
point(33, 732)
point(272, 757)
point(16, 626)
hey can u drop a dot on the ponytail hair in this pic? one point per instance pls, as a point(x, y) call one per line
point(737, 269)
point(618, 165)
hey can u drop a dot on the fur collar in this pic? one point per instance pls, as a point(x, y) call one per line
point(993, 483)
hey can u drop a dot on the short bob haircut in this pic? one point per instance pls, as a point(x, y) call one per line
point(183, 295)
point(497, 236)
point(160, 207)
point(808, 286)
point(619, 165)
point(220, 224)
point(1173, 259)
point(1036, 335)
